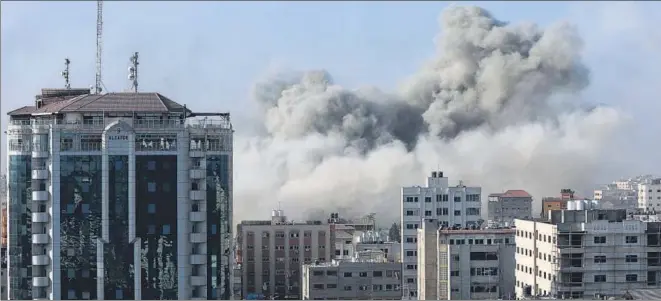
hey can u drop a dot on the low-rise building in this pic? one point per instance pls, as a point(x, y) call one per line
point(507, 206)
point(649, 195)
point(587, 253)
point(367, 277)
point(271, 253)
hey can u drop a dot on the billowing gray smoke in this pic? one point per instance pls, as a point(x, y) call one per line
point(495, 108)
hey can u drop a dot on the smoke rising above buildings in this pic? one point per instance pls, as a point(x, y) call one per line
point(499, 107)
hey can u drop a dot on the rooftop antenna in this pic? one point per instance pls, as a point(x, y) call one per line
point(133, 72)
point(99, 44)
point(65, 74)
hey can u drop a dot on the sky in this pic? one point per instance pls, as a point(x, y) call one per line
point(207, 55)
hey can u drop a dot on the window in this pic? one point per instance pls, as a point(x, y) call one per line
point(411, 253)
point(427, 212)
point(362, 274)
point(71, 273)
point(214, 228)
point(331, 285)
point(70, 208)
point(348, 274)
point(71, 252)
point(457, 199)
point(454, 273)
point(71, 294)
point(151, 208)
point(427, 199)
point(317, 273)
point(377, 274)
point(85, 208)
point(151, 165)
point(85, 273)
point(347, 287)
point(151, 186)
point(600, 278)
point(331, 273)
point(151, 229)
point(631, 258)
point(631, 239)
point(600, 259)
point(457, 213)
point(600, 239)
point(632, 277)
point(119, 294)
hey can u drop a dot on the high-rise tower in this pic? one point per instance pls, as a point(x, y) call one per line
point(118, 196)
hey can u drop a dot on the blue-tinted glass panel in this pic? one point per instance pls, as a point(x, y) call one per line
point(19, 189)
point(218, 209)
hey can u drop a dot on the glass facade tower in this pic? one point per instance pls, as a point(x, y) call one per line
point(119, 196)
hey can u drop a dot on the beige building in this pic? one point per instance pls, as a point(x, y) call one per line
point(271, 253)
point(371, 278)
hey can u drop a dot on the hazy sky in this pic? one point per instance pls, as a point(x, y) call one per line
point(208, 54)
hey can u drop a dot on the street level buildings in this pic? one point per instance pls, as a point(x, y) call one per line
point(450, 206)
point(118, 196)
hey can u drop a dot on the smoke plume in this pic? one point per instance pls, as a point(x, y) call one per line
point(498, 107)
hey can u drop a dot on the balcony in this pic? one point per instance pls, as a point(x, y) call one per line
point(40, 217)
point(40, 281)
point(197, 216)
point(197, 173)
point(40, 239)
point(40, 195)
point(198, 280)
point(197, 238)
point(40, 260)
point(197, 195)
point(197, 259)
point(41, 174)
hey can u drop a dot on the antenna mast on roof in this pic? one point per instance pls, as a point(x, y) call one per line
point(133, 72)
point(65, 74)
point(99, 44)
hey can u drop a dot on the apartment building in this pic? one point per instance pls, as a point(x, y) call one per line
point(476, 264)
point(427, 286)
point(271, 253)
point(649, 195)
point(118, 196)
point(449, 206)
point(507, 206)
point(556, 203)
point(347, 244)
point(370, 278)
point(586, 254)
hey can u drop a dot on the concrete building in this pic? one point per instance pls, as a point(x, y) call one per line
point(508, 206)
point(347, 244)
point(271, 253)
point(649, 195)
point(450, 206)
point(358, 279)
point(612, 197)
point(556, 203)
point(587, 253)
point(118, 196)
point(428, 261)
point(476, 264)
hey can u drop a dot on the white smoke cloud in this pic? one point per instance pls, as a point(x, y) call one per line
point(499, 107)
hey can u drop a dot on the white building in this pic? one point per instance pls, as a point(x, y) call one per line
point(348, 243)
point(118, 196)
point(587, 253)
point(450, 206)
point(371, 278)
point(475, 264)
point(649, 195)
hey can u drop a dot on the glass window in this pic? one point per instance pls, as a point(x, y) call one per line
point(214, 228)
point(86, 187)
point(70, 208)
point(86, 208)
point(119, 294)
point(71, 273)
point(72, 294)
point(166, 187)
point(118, 165)
point(151, 208)
point(151, 165)
point(166, 229)
point(86, 273)
point(151, 186)
point(151, 229)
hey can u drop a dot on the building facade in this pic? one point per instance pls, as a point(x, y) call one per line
point(271, 253)
point(356, 279)
point(450, 206)
point(508, 206)
point(649, 195)
point(118, 196)
point(586, 254)
point(476, 264)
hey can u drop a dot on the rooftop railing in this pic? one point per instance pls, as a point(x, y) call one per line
point(195, 123)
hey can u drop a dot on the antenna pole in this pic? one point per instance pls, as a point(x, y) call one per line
point(133, 72)
point(65, 74)
point(99, 44)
